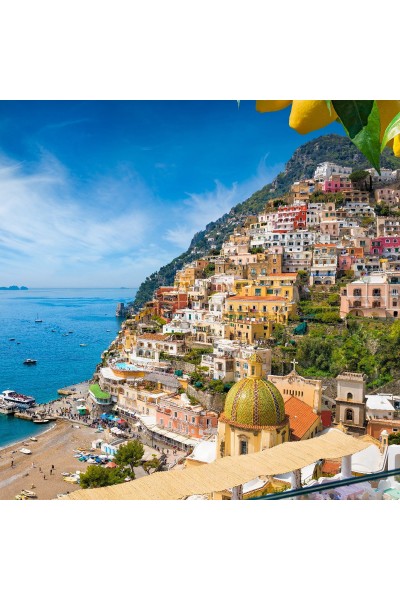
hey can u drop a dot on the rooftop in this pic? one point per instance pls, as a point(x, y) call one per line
point(301, 417)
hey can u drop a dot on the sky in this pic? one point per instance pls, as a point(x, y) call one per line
point(104, 193)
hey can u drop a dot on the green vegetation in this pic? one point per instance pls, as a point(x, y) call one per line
point(209, 270)
point(358, 175)
point(394, 439)
point(97, 476)
point(152, 464)
point(130, 455)
point(365, 345)
point(194, 355)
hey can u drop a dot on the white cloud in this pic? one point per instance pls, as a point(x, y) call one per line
point(196, 211)
point(50, 236)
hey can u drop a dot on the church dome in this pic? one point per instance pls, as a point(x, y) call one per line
point(254, 403)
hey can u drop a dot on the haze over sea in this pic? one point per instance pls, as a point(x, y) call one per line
point(88, 313)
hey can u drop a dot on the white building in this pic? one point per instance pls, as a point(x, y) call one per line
point(382, 406)
point(327, 169)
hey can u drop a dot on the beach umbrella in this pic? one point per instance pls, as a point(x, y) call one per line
point(104, 416)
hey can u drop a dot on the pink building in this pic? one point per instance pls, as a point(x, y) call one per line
point(374, 295)
point(177, 415)
point(335, 185)
point(386, 246)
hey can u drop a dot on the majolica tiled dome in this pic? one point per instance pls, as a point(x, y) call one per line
point(254, 403)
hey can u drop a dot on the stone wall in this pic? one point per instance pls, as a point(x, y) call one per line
point(206, 399)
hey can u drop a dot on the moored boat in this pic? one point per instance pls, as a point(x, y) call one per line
point(30, 361)
point(20, 400)
point(7, 408)
point(40, 421)
point(25, 451)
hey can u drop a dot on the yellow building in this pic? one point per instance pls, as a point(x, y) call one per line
point(276, 284)
point(185, 278)
point(254, 416)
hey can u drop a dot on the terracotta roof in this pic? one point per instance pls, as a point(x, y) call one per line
point(331, 467)
point(301, 417)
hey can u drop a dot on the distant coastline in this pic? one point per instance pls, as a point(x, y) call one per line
point(13, 287)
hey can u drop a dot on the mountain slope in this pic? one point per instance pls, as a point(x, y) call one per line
point(335, 148)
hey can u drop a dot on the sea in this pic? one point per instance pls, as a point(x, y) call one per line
point(70, 317)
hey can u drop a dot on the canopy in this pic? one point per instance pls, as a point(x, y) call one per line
point(115, 430)
point(229, 472)
point(104, 416)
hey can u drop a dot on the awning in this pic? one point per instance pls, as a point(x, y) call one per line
point(228, 472)
point(175, 437)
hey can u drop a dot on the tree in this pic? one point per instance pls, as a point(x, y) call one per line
point(153, 463)
point(357, 176)
point(394, 439)
point(130, 455)
point(97, 476)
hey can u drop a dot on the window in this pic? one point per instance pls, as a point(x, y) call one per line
point(243, 447)
point(349, 396)
point(175, 415)
point(193, 420)
point(349, 414)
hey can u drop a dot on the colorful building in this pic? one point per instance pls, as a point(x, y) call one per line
point(374, 295)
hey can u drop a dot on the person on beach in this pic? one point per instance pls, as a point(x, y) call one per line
point(12, 464)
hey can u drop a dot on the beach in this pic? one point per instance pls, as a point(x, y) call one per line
point(53, 447)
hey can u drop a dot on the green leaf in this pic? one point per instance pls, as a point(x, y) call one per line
point(391, 131)
point(353, 114)
point(361, 121)
point(329, 105)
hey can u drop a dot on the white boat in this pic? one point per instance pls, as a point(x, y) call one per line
point(28, 494)
point(37, 320)
point(20, 400)
point(33, 439)
point(30, 361)
point(82, 345)
point(25, 451)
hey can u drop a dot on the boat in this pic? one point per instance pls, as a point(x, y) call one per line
point(28, 494)
point(82, 345)
point(40, 421)
point(7, 408)
point(30, 361)
point(33, 439)
point(11, 340)
point(53, 331)
point(20, 400)
point(70, 332)
point(25, 451)
point(37, 320)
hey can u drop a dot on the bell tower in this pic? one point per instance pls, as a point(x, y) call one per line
point(350, 401)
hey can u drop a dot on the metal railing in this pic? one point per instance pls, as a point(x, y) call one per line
point(330, 485)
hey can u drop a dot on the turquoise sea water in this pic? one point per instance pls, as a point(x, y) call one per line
point(88, 313)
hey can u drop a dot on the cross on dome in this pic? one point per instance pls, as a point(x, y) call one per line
point(294, 363)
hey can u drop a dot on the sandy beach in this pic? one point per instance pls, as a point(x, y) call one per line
point(54, 447)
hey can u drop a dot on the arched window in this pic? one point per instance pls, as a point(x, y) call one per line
point(349, 414)
point(349, 396)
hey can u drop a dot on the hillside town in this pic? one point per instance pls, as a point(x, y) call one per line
point(199, 367)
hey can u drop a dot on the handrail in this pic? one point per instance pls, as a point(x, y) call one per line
point(329, 485)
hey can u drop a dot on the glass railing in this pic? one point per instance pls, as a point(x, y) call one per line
point(384, 485)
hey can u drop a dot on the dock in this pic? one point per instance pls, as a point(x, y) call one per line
point(76, 388)
point(21, 415)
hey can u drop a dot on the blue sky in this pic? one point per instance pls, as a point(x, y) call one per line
point(103, 193)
